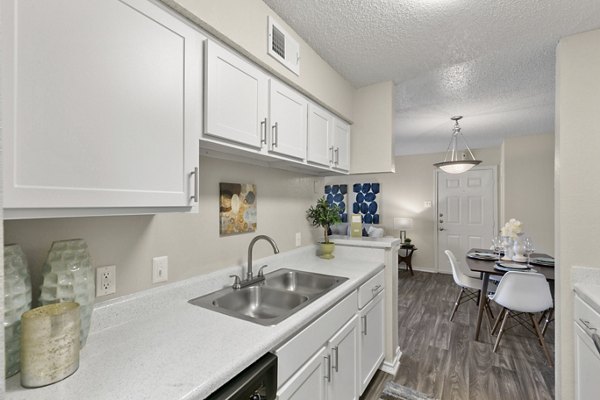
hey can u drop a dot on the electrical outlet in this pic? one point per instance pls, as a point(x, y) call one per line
point(427, 204)
point(160, 269)
point(106, 280)
point(298, 239)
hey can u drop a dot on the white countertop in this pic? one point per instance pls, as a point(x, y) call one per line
point(586, 283)
point(382, 243)
point(155, 345)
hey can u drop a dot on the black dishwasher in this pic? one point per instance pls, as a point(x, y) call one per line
point(257, 382)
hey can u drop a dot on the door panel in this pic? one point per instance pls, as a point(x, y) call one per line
point(467, 210)
point(288, 121)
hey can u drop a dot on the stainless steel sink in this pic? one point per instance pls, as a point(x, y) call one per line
point(260, 302)
point(280, 295)
point(302, 282)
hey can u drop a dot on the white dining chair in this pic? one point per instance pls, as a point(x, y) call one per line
point(469, 282)
point(522, 293)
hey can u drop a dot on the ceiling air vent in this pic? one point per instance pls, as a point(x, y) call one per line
point(283, 48)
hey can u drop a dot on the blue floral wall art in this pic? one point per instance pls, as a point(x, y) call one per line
point(336, 194)
point(366, 201)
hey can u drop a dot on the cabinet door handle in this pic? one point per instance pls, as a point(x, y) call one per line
point(335, 358)
point(331, 154)
point(364, 324)
point(337, 155)
point(328, 368)
point(376, 289)
point(263, 131)
point(194, 197)
point(275, 132)
point(587, 325)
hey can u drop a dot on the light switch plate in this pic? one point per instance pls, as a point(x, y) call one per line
point(427, 204)
point(160, 269)
point(298, 239)
point(106, 280)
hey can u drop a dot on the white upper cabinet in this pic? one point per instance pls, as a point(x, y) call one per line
point(341, 146)
point(320, 136)
point(237, 95)
point(288, 111)
point(101, 105)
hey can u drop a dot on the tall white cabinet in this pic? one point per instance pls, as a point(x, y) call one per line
point(101, 105)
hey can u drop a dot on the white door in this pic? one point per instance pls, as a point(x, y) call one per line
point(341, 154)
point(466, 213)
point(237, 98)
point(99, 114)
point(288, 121)
point(344, 362)
point(320, 136)
point(310, 381)
point(371, 340)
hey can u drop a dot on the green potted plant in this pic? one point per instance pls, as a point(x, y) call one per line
point(407, 244)
point(324, 215)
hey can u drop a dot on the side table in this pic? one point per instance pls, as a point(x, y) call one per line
point(407, 257)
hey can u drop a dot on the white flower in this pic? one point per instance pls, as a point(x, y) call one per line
point(512, 228)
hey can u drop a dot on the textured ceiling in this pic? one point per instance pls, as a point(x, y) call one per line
point(489, 60)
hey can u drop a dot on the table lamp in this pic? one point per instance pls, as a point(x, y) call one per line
point(401, 224)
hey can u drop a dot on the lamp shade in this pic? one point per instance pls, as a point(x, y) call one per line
point(402, 223)
point(457, 167)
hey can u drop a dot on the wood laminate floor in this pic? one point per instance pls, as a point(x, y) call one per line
point(441, 359)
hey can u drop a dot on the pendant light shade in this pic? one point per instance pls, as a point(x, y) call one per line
point(452, 164)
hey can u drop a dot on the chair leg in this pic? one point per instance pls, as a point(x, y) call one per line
point(549, 317)
point(541, 339)
point(456, 304)
point(500, 316)
point(506, 313)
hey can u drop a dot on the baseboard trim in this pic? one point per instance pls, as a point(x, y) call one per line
point(392, 368)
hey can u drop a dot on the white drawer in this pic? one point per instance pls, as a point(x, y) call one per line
point(583, 312)
point(370, 289)
point(301, 347)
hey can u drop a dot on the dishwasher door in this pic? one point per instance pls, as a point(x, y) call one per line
point(257, 382)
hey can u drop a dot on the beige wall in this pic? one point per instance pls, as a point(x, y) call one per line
point(403, 195)
point(372, 133)
point(191, 241)
point(244, 24)
point(528, 186)
point(577, 183)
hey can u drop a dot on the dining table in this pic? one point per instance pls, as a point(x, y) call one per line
point(487, 268)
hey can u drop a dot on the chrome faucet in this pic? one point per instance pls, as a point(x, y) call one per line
point(249, 275)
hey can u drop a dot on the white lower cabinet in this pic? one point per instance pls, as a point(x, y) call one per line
point(336, 356)
point(587, 354)
point(371, 340)
point(309, 382)
point(343, 350)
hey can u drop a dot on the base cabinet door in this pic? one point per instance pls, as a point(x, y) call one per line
point(371, 339)
point(343, 348)
point(587, 366)
point(310, 381)
point(288, 121)
point(98, 115)
point(237, 95)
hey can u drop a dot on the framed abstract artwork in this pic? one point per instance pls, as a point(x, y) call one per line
point(366, 201)
point(237, 208)
point(336, 194)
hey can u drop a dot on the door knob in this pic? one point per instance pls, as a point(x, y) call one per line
point(442, 229)
point(441, 221)
point(441, 214)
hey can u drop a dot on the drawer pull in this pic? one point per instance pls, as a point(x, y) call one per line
point(587, 325)
point(335, 359)
point(376, 289)
point(364, 324)
point(596, 340)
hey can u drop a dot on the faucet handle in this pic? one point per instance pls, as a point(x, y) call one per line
point(237, 282)
point(260, 271)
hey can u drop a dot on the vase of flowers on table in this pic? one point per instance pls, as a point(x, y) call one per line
point(510, 232)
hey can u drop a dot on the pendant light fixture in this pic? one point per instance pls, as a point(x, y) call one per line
point(452, 164)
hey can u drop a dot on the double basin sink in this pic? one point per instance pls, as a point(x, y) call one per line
point(269, 302)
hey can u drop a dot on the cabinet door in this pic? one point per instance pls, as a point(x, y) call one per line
point(371, 340)
point(237, 96)
point(320, 136)
point(309, 382)
point(587, 365)
point(341, 156)
point(288, 121)
point(343, 348)
point(98, 114)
